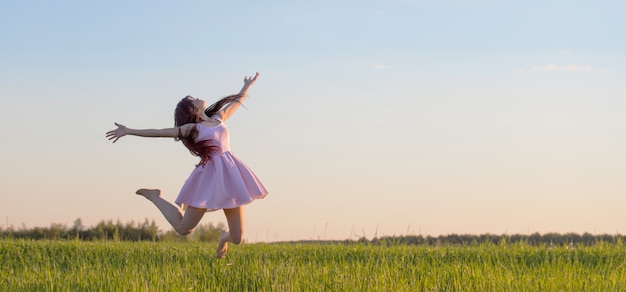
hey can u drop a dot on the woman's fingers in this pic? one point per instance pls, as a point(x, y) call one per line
point(115, 134)
point(251, 78)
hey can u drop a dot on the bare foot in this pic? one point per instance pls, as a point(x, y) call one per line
point(222, 246)
point(149, 193)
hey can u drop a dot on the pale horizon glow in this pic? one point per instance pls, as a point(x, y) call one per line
point(369, 118)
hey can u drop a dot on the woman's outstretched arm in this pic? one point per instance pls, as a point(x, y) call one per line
point(232, 107)
point(122, 131)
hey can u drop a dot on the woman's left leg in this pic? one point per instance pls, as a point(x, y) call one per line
point(235, 230)
point(183, 224)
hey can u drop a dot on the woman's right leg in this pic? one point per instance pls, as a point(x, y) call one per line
point(235, 230)
point(183, 224)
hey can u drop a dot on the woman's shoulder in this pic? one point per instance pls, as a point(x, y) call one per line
point(189, 126)
point(188, 130)
point(214, 121)
point(217, 116)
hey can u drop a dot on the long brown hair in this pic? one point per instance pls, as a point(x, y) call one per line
point(186, 112)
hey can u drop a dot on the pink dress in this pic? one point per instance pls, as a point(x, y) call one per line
point(222, 183)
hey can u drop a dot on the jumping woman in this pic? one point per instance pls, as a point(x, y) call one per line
point(220, 180)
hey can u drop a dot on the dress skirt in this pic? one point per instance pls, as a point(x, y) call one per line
point(222, 183)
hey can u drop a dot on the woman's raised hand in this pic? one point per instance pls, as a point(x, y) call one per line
point(118, 133)
point(248, 81)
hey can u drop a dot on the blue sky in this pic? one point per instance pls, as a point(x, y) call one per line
point(369, 118)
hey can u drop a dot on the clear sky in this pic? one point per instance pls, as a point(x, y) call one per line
point(369, 117)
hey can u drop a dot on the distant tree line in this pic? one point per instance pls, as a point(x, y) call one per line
point(118, 231)
point(148, 231)
point(550, 239)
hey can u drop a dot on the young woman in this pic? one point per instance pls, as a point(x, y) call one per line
point(220, 181)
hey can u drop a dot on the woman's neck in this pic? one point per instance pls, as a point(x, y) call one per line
point(203, 116)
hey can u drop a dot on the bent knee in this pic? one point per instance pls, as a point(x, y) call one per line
point(236, 238)
point(183, 231)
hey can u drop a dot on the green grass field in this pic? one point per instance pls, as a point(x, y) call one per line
point(178, 266)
